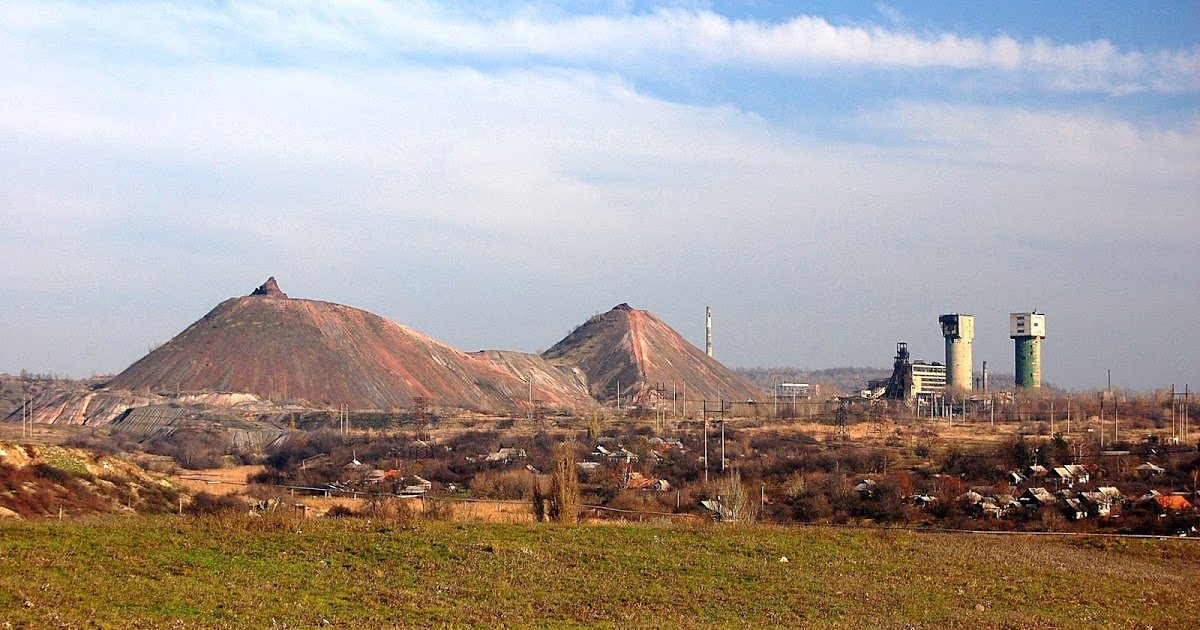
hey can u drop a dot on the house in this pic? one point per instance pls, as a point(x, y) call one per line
point(1101, 501)
point(990, 508)
point(1171, 503)
point(970, 498)
point(1037, 497)
point(638, 481)
point(1150, 470)
point(619, 453)
point(506, 455)
point(866, 489)
point(375, 476)
point(718, 510)
point(1074, 509)
point(316, 461)
point(1070, 474)
point(1036, 471)
point(1015, 478)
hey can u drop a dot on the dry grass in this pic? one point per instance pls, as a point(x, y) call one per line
point(212, 572)
point(231, 480)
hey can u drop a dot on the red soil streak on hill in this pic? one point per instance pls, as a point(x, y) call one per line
point(324, 354)
point(642, 353)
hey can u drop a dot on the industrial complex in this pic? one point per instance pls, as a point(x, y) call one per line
point(912, 380)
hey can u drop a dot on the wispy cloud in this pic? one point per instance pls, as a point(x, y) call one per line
point(371, 29)
point(521, 159)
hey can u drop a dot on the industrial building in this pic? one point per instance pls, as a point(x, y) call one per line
point(959, 331)
point(1028, 330)
point(796, 390)
point(913, 379)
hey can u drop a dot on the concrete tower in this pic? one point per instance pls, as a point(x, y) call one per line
point(708, 330)
point(959, 331)
point(1028, 329)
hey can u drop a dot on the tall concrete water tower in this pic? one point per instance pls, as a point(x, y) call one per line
point(1028, 329)
point(959, 331)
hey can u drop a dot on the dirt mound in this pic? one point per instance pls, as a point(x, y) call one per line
point(647, 359)
point(567, 382)
point(323, 354)
point(44, 480)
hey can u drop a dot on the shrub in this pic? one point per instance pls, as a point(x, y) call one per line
point(339, 511)
point(208, 503)
point(505, 484)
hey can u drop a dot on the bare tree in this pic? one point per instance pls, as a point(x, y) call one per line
point(564, 486)
point(739, 504)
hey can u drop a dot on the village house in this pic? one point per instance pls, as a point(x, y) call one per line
point(1070, 475)
point(1074, 509)
point(1037, 497)
point(866, 489)
point(506, 455)
point(1102, 501)
point(1150, 470)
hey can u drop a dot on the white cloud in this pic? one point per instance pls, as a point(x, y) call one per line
point(534, 188)
point(373, 30)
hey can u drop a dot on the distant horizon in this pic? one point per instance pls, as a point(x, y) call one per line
point(829, 178)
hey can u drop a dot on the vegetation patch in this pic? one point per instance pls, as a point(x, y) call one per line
point(212, 571)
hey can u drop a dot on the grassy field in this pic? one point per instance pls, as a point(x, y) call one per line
point(233, 571)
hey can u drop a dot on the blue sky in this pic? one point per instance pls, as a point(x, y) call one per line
point(830, 177)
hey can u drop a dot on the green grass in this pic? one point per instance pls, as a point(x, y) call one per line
point(237, 572)
point(63, 460)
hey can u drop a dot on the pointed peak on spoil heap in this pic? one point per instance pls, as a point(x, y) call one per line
point(270, 288)
point(632, 354)
point(323, 354)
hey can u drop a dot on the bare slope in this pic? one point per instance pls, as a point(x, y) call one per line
point(639, 352)
point(324, 354)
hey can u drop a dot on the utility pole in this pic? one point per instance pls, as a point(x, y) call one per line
point(722, 439)
point(1116, 421)
point(1185, 411)
point(705, 412)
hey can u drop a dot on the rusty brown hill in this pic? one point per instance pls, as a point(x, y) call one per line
point(640, 352)
point(325, 354)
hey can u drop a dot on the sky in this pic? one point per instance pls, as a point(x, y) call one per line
point(829, 177)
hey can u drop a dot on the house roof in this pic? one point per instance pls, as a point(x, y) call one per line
point(1172, 502)
point(1041, 495)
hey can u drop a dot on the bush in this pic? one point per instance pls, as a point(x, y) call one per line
point(208, 503)
point(506, 484)
point(339, 511)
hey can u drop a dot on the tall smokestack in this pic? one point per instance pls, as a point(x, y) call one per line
point(708, 330)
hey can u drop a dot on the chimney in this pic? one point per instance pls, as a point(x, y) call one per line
point(708, 330)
